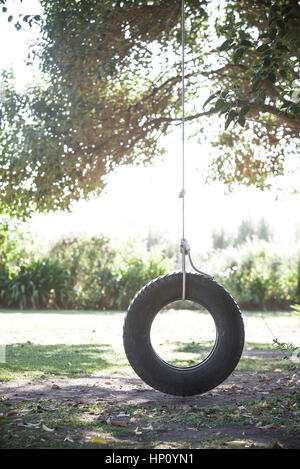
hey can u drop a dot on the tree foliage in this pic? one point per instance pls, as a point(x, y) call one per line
point(258, 83)
point(112, 86)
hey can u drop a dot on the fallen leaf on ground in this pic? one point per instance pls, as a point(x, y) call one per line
point(12, 412)
point(47, 429)
point(29, 425)
point(278, 445)
point(148, 428)
point(119, 423)
point(55, 386)
point(101, 441)
point(47, 409)
point(270, 425)
point(236, 443)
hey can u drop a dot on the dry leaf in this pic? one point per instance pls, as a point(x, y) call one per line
point(236, 443)
point(101, 441)
point(148, 428)
point(12, 412)
point(29, 425)
point(278, 445)
point(270, 425)
point(47, 429)
point(119, 423)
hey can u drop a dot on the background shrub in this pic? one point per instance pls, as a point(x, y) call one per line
point(97, 273)
point(258, 274)
point(104, 277)
point(41, 284)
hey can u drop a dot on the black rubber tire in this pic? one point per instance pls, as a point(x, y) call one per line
point(221, 361)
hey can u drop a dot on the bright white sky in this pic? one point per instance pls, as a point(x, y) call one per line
point(143, 198)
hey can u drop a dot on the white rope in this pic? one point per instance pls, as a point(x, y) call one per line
point(183, 113)
point(182, 192)
point(184, 246)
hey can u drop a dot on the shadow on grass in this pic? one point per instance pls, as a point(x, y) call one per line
point(60, 360)
point(71, 361)
point(255, 357)
point(196, 353)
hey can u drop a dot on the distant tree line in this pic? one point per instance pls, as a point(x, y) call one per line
point(247, 231)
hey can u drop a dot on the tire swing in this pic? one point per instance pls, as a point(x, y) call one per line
point(199, 288)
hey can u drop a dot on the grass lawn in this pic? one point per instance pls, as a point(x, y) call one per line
point(76, 344)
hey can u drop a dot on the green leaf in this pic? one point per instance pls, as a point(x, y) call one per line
point(286, 10)
point(224, 93)
point(282, 28)
point(244, 110)
point(226, 45)
point(238, 54)
point(246, 43)
point(221, 105)
point(282, 47)
point(284, 72)
point(272, 33)
point(211, 97)
point(267, 61)
point(262, 94)
point(241, 121)
point(290, 17)
point(272, 77)
point(256, 79)
point(274, 18)
point(263, 48)
point(231, 115)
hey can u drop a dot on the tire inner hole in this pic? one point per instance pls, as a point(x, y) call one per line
point(183, 334)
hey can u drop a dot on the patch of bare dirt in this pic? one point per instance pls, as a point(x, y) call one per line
point(238, 389)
